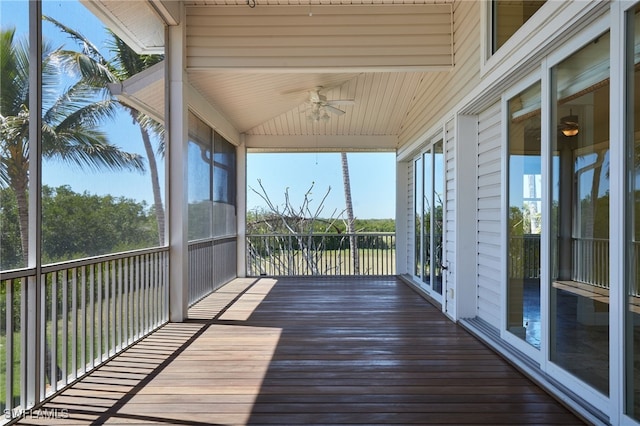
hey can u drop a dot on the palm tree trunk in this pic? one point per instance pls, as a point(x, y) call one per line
point(353, 243)
point(22, 200)
point(19, 182)
point(155, 181)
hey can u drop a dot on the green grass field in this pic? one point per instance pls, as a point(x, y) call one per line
point(326, 262)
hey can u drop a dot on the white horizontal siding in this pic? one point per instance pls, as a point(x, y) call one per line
point(450, 197)
point(440, 91)
point(488, 215)
point(288, 37)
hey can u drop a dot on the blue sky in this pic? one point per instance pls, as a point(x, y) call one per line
point(372, 177)
point(372, 174)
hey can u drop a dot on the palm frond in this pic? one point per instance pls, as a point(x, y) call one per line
point(14, 73)
point(126, 62)
point(73, 99)
point(90, 149)
point(92, 72)
point(88, 116)
point(88, 48)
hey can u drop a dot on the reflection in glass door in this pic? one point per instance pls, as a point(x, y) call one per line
point(580, 223)
point(429, 208)
point(524, 224)
point(632, 199)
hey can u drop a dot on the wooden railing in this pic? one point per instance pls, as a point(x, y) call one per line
point(321, 254)
point(60, 325)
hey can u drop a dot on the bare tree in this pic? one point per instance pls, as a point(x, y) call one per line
point(296, 242)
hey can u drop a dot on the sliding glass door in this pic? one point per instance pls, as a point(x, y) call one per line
point(579, 334)
point(524, 225)
point(429, 218)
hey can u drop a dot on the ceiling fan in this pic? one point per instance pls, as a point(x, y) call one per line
point(319, 106)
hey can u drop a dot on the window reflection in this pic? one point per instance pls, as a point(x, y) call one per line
point(524, 220)
point(632, 240)
point(212, 182)
point(509, 16)
point(580, 216)
point(418, 212)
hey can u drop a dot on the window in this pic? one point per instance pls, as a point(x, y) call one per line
point(580, 215)
point(524, 216)
point(212, 182)
point(508, 16)
point(632, 236)
point(429, 219)
point(98, 195)
point(224, 189)
point(14, 141)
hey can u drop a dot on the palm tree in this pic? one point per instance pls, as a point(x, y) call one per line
point(353, 243)
point(95, 68)
point(69, 124)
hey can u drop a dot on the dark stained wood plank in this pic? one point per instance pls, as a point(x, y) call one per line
point(333, 351)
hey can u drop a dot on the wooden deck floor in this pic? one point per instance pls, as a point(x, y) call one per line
point(308, 351)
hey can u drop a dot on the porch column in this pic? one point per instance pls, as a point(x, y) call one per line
point(402, 224)
point(177, 113)
point(32, 351)
point(241, 208)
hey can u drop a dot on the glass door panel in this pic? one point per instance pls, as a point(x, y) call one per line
point(579, 334)
point(427, 215)
point(524, 216)
point(632, 240)
point(418, 212)
point(438, 215)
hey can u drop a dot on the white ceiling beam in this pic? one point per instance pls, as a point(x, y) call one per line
point(320, 143)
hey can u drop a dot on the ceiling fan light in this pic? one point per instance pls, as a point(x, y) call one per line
point(570, 131)
point(569, 125)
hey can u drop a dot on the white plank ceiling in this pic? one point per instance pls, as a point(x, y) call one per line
point(256, 66)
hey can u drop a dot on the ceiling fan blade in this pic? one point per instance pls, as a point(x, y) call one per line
point(334, 110)
point(341, 102)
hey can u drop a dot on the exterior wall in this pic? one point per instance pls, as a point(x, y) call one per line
point(410, 217)
point(450, 214)
point(467, 104)
point(489, 214)
point(441, 91)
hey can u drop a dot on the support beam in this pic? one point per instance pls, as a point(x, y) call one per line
point(402, 219)
point(241, 209)
point(32, 349)
point(314, 143)
point(177, 174)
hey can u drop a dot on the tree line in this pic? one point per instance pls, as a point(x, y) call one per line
point(77, 225)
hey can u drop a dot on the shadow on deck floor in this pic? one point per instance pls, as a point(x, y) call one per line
point(304, 351)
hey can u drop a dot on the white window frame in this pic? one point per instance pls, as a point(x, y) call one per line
point(532, 352)
point(599, 26)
